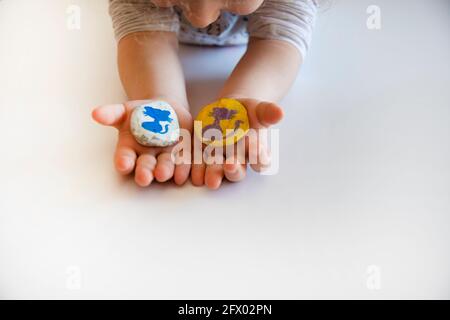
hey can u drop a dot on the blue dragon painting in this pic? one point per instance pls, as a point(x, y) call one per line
point(158, 116)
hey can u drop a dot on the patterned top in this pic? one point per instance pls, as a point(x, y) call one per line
point(287, 20)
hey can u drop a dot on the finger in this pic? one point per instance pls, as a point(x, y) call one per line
point(183, 160)
point(145, 165)
point(268, 113)
point(234, 172)
point(214, 176)
point(165, 167)
point(262, 157)
point(181, 173)
point(109, 115)
point(198, 174)
point(124, 159)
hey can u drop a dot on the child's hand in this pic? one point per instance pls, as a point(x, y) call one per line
point(147, 162)
point(261, 115)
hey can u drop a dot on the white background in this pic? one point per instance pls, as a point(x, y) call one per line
point(360, 207)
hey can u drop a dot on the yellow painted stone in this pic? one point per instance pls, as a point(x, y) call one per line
point(229, 119)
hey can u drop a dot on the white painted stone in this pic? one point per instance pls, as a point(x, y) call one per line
point(155, 124)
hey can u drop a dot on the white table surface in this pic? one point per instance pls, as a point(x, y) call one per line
point(359, 209)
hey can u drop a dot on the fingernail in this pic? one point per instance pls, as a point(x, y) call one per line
point(125, 163)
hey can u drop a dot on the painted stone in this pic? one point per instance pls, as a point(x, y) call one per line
point(223, 122)
point(155, 124)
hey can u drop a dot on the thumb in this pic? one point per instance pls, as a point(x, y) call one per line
point(109, 115)
point(268, 113)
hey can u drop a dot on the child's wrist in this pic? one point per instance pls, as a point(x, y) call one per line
point(177, 104)
point(233, 95)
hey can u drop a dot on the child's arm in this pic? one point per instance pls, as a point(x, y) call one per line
point(280, 33)
point(149, 69)
point(265, 72)
point(262, 77)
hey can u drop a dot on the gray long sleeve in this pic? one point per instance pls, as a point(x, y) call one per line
point(286, 20)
